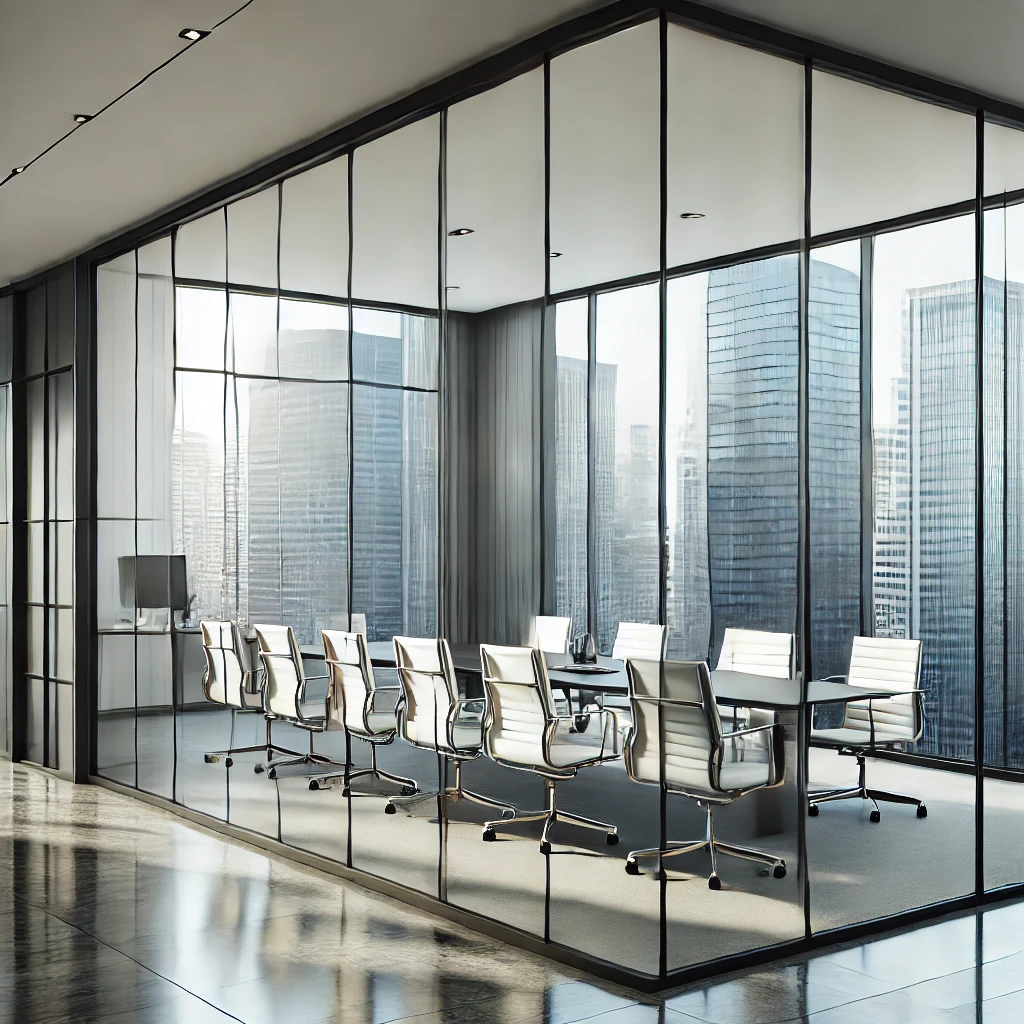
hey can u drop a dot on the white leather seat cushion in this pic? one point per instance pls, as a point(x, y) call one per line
point(313, 709)
point(468, 734)
point(735, 775)
point(743, 774)
point(854, 737)
point(381, 722)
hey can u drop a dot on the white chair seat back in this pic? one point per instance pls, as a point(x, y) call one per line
point(641, 640)
point(519, 704)
point(351, 679)
point(228, 668)
point(881, 663)
point(429, 692)
point(759, 653)
point(282, 662)
point(550, 633)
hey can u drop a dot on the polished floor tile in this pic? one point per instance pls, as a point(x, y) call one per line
point(115, 911)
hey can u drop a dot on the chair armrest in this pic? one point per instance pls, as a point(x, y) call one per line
point(610, 715)
point(835, 679)
point(747, 732)
point(326, 675)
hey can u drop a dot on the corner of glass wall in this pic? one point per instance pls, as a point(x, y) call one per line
point(893, 499)
point(1003, 428)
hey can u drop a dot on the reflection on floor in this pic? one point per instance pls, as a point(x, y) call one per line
point(114, 911)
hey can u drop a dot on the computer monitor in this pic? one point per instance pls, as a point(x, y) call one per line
point(153, 581)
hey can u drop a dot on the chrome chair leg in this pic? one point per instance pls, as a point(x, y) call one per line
point(268, 748)
point(714, 847)
point(550, 817)
point(861, 792)
point(348, 773)
point(291, 759)
point(455, 792)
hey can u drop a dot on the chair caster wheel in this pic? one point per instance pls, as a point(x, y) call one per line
point(211, 758)
point(272, 774)
point(229, 762)
point(612, 839)
point(659, 875)
point(408, 791)
point(258, 769)
point(779, 871)
point(389, 808)
point(313, 785)
point(922, 811)
point(632, 868)
point(347, 791)
point(876, 816)
point(489, 835)
point(714, 882)
point(812, 811)
point(545, 847)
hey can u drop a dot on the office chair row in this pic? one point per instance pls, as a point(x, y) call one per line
point(675, 735)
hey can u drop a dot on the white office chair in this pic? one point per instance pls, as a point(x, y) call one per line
point(879, 723)
point(522, 731)
point(550, 633)
point(432, 716)
point(284, 696)
point(640, 640)
point(231, 679)
point(761, 654)
point(351, 700)
point(675, 699)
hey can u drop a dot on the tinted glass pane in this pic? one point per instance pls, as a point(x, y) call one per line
point(314, 230)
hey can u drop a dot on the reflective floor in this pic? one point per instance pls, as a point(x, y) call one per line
point(111, 910)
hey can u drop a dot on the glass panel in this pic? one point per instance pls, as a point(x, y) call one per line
point(156, 714)
point(115, 601)
point(395, 511)
point(252, 239)
point(313, 340)
point(198, 497)
point(202, 328)
point(735, 147)
point(115, 719)
point(835, 454)
point(60, 320)
point(1004, 159)
point(35, 720)
point(252, 333)
point(62, 554)
point(61, 662)
point(877, 154)
point(626, 460)
point(571, 446)
point(394, 348)
point(34, 556)
point(605, 159)
point(314, 230)
point(35, 445)
point(686, 465)
point(395, 223)
point(200, 248)
point(34, 616)
point(6, 337)
point(65, 719)
point(35, 331)
point(62, 446)
point(115, 392)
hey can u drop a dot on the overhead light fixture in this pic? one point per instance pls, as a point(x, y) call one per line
point(81, 118)
point(17, 170)
point(460, 231)
point(691, 216)
point(192, 34)
point(554, 254)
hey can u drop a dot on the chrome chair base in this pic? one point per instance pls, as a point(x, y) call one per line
point(862, 792)
point(348, 773)
point(714, 847)
point(310, 759)
point(216, 756)
point(456, 792)
point(550, 817)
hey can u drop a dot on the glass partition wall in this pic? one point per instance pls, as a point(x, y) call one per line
point(667, 330)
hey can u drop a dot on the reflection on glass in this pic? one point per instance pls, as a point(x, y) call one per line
point(314, 230)
point(571, 472)
point(252, 333)
point(394, 348)
point(834, 460)
point(252, 239)
point(626, 460)
point(313, 340)
point(923, 428)
point(202, 326)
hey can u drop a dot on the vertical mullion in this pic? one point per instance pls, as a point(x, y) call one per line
point(548, 442)
point(280, 401)
point(135, 520)
point(44, 380)
point(174, 406)
point(1005, 496)
point(441, 616)
point(592, 567)
point(350, 451)
point(979, 501)
point(803, 504)
point(867, 477)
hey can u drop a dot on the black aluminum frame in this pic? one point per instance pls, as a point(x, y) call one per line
point(533, 53)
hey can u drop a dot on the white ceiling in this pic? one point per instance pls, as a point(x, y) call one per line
point(282, 73)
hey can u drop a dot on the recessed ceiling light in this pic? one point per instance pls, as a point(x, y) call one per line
point(554, 254)
point(460, 231)
point(81, 118)
point(691, 216)
point(17, 170)
point(192, 34)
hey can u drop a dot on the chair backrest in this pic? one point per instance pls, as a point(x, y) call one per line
point(880, 663)
point(357, 622)
point(550, 633)
point(759, 653)
point(677, 697)
point(429, 692)
point(351, 676)
point(519, 704)
point(228, 667)
point(640, 640)
point(285, 678)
